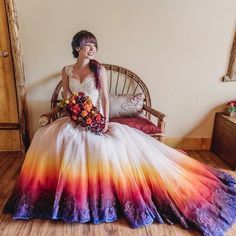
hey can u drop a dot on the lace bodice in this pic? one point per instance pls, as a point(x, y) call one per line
point(88, 86)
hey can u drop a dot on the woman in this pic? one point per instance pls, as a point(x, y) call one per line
point(77, 176)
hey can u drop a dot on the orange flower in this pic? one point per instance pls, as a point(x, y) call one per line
point(88, 121)
point(84, 113)
point(88, 107)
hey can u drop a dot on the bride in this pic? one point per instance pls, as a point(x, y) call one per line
point(76, 176)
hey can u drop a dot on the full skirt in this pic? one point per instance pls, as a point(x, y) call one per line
point(76, 176)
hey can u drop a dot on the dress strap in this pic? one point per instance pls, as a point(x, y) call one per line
point(68, 70)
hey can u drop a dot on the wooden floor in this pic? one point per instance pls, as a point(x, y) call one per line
point(10, 164)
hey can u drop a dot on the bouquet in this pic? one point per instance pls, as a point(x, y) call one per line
point(83, 113)
point(231, 108)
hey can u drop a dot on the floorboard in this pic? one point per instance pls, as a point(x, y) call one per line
point(10, 164)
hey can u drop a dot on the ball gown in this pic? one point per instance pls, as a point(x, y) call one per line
point(74, 175)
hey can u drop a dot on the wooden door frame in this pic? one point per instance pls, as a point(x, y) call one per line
point(18, 68)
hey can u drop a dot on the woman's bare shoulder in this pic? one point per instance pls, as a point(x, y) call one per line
point(65, 69)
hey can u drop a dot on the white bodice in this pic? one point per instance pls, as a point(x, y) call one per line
point(88, 86)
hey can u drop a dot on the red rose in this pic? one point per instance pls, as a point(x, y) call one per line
point(74, 117)
point(232, 103)
point(75, 111)
point(98, 117)
point(81, 94)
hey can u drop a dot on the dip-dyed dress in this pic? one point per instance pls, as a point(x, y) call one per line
point(77, 176)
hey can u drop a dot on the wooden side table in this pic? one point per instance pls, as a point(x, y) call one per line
point(224, 139)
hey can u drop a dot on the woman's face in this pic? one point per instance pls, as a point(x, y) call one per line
point(88, 50)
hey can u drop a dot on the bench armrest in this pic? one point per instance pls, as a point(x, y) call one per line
point(161, 117)
point(46, 118)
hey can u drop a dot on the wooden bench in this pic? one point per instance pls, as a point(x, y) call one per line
point(120, 81)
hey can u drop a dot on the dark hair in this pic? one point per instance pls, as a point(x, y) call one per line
point(80, 39)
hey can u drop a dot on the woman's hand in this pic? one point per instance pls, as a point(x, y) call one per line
point(106, 128)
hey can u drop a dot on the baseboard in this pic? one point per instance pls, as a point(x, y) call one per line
point(188, 143)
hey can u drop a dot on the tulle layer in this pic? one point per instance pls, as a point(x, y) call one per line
point(74, 175)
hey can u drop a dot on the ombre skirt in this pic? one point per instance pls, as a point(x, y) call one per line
point(76, 176)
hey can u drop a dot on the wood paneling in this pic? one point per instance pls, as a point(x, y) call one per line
point(10, 165)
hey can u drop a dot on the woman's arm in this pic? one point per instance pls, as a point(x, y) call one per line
point(104, 93)
point(65, 83)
